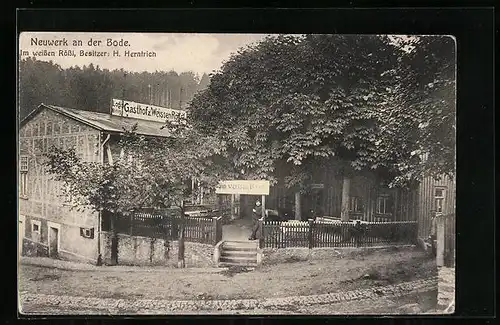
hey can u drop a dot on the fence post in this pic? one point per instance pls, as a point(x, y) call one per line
point(357, 234)
point(131, 226)
point(174, 228)
point(310, 234)
point(414, 232)
point(217, 228)
point(261, 232)
point(440, 241)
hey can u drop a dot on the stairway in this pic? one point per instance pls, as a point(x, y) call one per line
point(239, 253)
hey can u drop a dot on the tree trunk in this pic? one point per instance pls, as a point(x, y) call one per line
point(298, 207)
point(346, 188)
point(166, 236)
point(114, 240)
point(180, 257)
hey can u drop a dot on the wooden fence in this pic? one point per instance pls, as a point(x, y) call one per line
point(446, 240)
point(314, 234)
point(166, 226)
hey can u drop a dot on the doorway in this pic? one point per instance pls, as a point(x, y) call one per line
point(54, 239)
point(246, 204)
point(315, 204)
point(20, 234)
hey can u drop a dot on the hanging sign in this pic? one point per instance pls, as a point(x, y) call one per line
point(248, 187)
point(147, 112)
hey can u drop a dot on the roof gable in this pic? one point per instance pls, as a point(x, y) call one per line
point(105, 122)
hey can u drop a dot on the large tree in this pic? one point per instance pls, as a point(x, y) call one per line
point(299, 101)
point(425, 115)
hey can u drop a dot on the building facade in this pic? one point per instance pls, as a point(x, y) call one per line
point(361, 195)
point(435, 196)
point(47, 225)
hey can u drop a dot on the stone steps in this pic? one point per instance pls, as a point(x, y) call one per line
point(238, 253)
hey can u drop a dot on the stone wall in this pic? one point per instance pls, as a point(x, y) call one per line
point(34, 249)
point(136, 250)
point(283, 255)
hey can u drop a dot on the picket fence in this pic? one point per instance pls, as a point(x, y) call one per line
point(167, 226)
point(314, 234)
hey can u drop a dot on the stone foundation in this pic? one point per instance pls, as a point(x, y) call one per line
point(34, 249)
point(283, 255)
point(135, 250)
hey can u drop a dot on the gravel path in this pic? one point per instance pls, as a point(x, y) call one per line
point(34, 303)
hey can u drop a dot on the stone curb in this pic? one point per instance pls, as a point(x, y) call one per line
point(164, 306)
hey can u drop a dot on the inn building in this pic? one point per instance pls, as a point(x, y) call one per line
point(47, 225)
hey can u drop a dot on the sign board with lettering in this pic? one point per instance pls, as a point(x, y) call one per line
point(252, 187)
point(147, 112)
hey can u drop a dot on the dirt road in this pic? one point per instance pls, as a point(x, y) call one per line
point(289, 278)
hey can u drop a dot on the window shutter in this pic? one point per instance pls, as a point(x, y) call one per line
point(87, 232)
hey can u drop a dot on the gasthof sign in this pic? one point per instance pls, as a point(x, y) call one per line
point(140, 111)
point(249, 187)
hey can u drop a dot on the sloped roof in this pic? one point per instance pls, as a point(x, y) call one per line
point(105, 122)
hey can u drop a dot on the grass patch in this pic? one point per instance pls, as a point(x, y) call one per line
point(295, 259)
point(233, 270)
point(205, 296)
point(117, 295)
point(397, 271)
point(50, 277)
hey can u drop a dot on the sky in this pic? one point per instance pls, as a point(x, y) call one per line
point(196, 52)
point(200, 53)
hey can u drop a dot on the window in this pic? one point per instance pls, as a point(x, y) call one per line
point(384, 204)
point(439, 196)
point(355, 204)
point(23, 162)
point(35, 226)
point(23, 178)
point(87, 232)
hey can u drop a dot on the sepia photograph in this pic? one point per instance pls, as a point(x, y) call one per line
point(252, 174)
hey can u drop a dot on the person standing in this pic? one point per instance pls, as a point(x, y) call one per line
point(256, 215)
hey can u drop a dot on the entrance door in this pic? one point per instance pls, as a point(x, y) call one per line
point(247, 203)
point(313, 204)
point(318, 203)
point(53, 241)
point(20, 235)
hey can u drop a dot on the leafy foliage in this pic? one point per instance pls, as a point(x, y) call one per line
point(151, 172)
point(300, 101)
